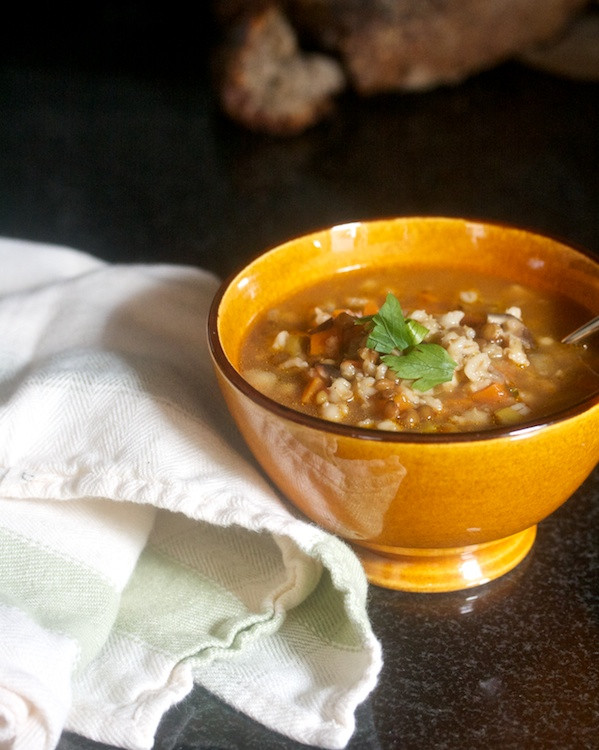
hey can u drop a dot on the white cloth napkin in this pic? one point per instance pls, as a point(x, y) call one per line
point(140, 549)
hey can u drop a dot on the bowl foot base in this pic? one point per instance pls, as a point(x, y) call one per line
point(449, 569)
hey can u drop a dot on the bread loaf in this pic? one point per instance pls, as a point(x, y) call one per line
point(281, 64)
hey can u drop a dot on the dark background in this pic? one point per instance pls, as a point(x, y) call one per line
point(112, 142)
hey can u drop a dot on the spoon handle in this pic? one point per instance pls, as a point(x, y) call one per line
point(581, 333)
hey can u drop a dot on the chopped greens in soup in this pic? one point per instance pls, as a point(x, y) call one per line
point(444, 352)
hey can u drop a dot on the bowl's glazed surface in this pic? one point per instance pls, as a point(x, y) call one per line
point(424, 512)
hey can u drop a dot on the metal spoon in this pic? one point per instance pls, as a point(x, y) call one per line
point(583, 332)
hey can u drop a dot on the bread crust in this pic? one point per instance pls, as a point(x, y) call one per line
point(267, 83)
point(281, 64)
point(388, 45)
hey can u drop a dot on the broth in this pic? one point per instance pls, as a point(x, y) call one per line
point(314, 352)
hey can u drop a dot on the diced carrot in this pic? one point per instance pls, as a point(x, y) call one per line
point(325, 342)
point(455, 404)
point(495, 393)
point(370, 308)
point(315, 384)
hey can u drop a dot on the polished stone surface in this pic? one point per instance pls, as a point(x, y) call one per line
point(119, 150)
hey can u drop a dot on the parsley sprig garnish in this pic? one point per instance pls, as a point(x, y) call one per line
point(401, 343)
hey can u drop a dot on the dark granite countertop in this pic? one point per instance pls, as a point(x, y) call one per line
point(124, 155)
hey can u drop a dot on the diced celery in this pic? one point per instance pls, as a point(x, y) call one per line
point(512, 414)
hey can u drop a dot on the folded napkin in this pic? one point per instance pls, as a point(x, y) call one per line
point(140, 549)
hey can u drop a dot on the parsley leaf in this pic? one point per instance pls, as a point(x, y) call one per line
point(391, 330)
point(426, 364)
point(401, 342)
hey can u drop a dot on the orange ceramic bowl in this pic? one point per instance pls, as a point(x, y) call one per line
point(424, 512)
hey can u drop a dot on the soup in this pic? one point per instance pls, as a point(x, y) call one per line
point(430, 352)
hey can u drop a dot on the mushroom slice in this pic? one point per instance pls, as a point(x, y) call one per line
point(511, 324)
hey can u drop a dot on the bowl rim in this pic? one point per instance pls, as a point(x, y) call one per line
point(519, 430)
